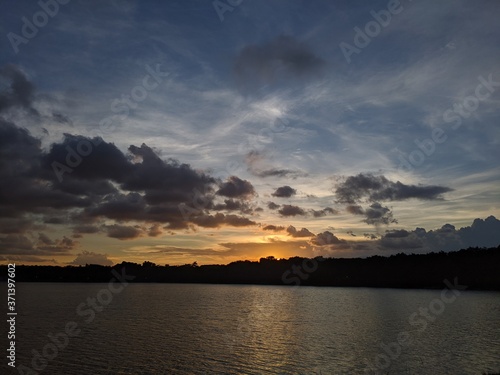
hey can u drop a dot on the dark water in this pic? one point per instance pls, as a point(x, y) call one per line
point(231, 329)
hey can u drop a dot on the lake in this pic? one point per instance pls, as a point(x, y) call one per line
point(245, 329)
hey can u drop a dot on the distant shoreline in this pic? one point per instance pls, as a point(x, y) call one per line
point(475, 268)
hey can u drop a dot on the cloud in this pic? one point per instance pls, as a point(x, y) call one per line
point(397, 233)
point(40, 245)
point(258, 166)
point(324, 212)
point(290, 210)
point(327, 238)
point(281, 60)
point(21, 91)
point(379, 188)
point(273, 228)
point(284, 192)
point(123, 232)
point(155, 230)
point(94, 180)
point(89, 257)
point(219, 219)
point(482, 233)
point(275, 172)
point(232, 205)
point(273, 206)
point(236, 188)
point(355, 209)
point(376, 214)
point(304, 232)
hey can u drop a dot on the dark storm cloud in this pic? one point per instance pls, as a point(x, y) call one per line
point(164, 181)
point(235, 187)
point(104, 162)
point(280, 60)
point(152, 187)
point(290, 210)
point(104, 183)
point(304, 232)
point(20, 92)
point(26, 186)
point(379, 188)
point(284, 192)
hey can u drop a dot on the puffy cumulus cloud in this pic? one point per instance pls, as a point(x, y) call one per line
point(482, 233)
point(284, 192)
point(376, 214)
point(368, 187)
point(327, 238)
point(324, 212)
point(235, 187)
point(26, 186)
point(304, 232)
point(278, 61)
point(81, 182)
point(89, 257)
point(400, 240)
point(290, 210)
point(379, 188)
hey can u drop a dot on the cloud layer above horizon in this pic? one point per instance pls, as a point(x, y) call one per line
point(151, 131)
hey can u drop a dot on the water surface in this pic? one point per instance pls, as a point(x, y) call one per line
point(240, 329)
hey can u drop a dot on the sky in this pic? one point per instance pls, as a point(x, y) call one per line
point(215, 131)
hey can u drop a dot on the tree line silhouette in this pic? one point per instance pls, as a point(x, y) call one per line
point(477, 268)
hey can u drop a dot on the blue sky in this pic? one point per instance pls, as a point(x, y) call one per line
point(263, 91)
